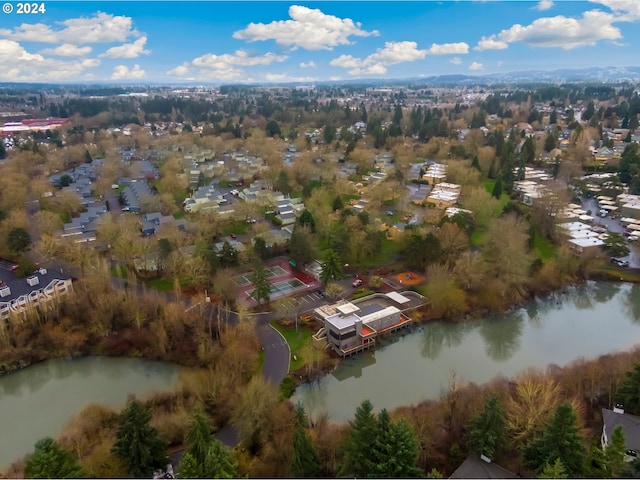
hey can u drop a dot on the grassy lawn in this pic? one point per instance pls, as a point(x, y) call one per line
point(178, 214)
point(162, 284)
point(235, 227)
point(388, 251)
point(296, 341)
point(543, 247)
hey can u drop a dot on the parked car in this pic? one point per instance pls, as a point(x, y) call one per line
point(234, 236)
point(632, 238)
point(619, 262)
point(357, 283)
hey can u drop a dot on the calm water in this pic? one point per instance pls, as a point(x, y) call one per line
point(38, 401)
point(585, 321)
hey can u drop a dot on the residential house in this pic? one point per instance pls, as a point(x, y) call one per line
point(444, 195)
point(479, 466)
point(17, 295)
point(630, 424)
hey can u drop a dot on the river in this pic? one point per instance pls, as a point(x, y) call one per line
point(582, 321)
point(38, 401)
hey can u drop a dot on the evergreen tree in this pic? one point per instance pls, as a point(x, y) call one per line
point(50, 460)
point(18, 240)
point(306, 219)
point(331, 267)
point(190, 467)
point(615, 452)
point(262, 288)
point(338, 204)
point(137, 442)
point(273, 128)
point(550, 142)
point(198, 435)
point(559, 440)
point(398, 450)
point(305, 462)
point(260, 247)
point(219, 462)
point(475, 163)
point(282, 183)
point(228, 256)
point(553, 118)
point(487, 432)
point(497, 188)
point(360, 443)
point(555, 470)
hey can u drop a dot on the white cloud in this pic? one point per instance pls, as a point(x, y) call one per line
point(309, 64)
point(455, 61)
point(308, 28)
point(376, 63)
point(23, 66)
point(476, 66)
point(101, 28)
point(122, 72)
point(459, 48)
point(544, 5)
point(491, 43)
point(558, 31)
point(624, 10)
point(225, 66)
point(67, 50)
point(128, 50)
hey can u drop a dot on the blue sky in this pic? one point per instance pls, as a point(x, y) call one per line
point(234, 42)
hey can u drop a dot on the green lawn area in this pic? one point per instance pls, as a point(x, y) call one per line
point(296, 341)
point(235, 227)
point(162, 284)
point(489, 184)
point(178, 214)
point(543, 247)
point(388, 251)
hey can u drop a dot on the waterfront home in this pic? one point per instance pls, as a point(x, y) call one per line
point(18, 295)
point(350, 327)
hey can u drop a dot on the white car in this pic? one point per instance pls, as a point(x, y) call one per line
point(632, 238)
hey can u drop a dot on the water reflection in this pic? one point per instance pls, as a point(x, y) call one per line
point(352, 367)
point(603, 291)
point(631, 303)
point(502, 336)
point(436, 335)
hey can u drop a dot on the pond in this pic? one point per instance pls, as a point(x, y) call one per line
point(582, 321)
point(38, 401)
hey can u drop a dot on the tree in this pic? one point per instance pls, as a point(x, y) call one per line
point(360, 443)
point(137, 442)
point(560, 439)
point(190, 467)
point(616, 245)
point(306, 219)
point(18, 240)
point(219, 462)
point(553, 118)
point(475, 163)
point(198, 435)
point(262, 288)
point(300, 247)
point(305, 462)
point(50, 460)
point(334, 290)
point(260, 247)
point(555, 470)
point(550, 142)
point(628, 393)
point(615, 454)
point(273, 128)
point(228, 256)
point(396, 449)
point(331, 267)
point(487, 432)
point(338, 204)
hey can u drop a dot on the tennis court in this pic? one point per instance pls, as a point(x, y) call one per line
point(271, 272)
point(282, 288)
